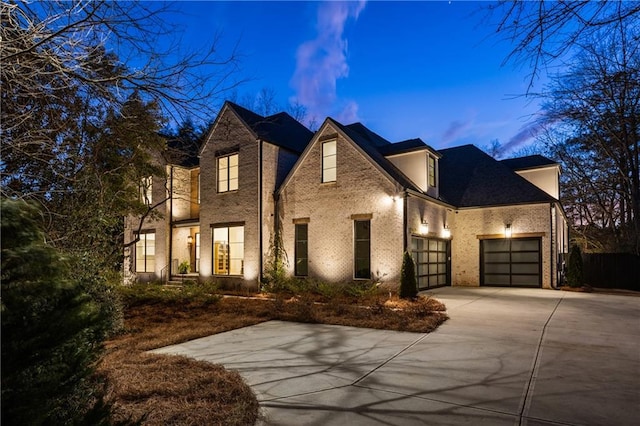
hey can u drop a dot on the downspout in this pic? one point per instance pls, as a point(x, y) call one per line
point(404, 221)
point(170, 222)
point(260, 237)
point(552, 238)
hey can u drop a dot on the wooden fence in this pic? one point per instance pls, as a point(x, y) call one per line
point(612, 270)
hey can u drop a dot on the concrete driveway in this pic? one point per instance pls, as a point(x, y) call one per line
point(506, 356)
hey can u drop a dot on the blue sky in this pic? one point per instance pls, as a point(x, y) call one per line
point(428, 69)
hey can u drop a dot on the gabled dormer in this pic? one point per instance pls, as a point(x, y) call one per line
point(418, 161)
point(540, 171)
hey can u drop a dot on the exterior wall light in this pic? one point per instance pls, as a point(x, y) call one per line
point(446, 232)
point(189, 240)
point(424, 228)
point(507, 230)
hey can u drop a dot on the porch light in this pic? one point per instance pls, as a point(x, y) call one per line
point(446, 232)
point(507, 230)
point(189, 240)
point(424, 228)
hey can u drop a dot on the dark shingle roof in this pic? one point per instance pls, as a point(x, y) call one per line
point(409, 145)
point(372, 137)
point(471, 178)
point(528, 162)
point(183, 153)
point(370, 142)
point(279, 129)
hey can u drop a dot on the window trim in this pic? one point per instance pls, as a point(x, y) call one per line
point(228, 172)
point(355, 250)
point(324, 169)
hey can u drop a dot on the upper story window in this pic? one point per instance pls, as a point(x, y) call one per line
point(329, 161)
point(228, 173)
point(146, 190)
point(431, 169)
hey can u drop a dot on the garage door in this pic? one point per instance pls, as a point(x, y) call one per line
point(513, 262)
point(432, 259)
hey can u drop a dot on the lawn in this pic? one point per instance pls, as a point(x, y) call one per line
point(159, 390)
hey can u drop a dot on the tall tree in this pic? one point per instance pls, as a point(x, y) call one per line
point(85, 87)
point(543, 31)
point(52, 330)
point(593, 111)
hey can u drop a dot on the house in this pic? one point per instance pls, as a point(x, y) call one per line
point(347, 203)
point(218, 218)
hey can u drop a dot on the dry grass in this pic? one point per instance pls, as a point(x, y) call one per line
point(159, 390)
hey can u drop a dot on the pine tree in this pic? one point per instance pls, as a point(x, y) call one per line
point(575, 269)
point(51, 330)
point(408, 284)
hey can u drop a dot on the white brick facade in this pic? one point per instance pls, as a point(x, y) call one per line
point(368, 186)
point(360, 191)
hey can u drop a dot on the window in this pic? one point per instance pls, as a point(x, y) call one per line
point(302, 251)
point(228, 173)
point(198, 188)
point(198, 251)
point(228, 250)
point(146, 252)
point(432, 171)
point(146, 190)
point(329, 161)
point(362, 249)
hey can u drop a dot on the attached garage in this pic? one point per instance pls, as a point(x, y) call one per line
point(511, 262)
point(432, 257)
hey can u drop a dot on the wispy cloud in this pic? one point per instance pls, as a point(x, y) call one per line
point(322, 61)
point(456, 129)
point(526, 134)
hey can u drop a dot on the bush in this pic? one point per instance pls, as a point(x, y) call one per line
point(361, 289)
point(184, 267)
point(158, 293)
point(408, 284)
point(52, 330)
point(575, 269)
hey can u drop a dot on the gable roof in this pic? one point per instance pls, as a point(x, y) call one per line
point(471, 178)
point(278, 129)
point(371, 137)
point(528, 162)
point(370, 143)
point(410, 145)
